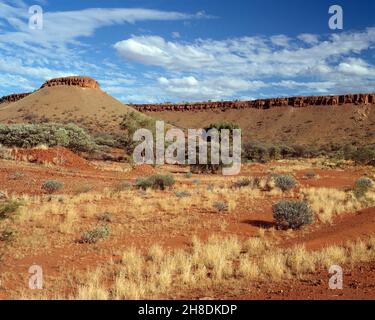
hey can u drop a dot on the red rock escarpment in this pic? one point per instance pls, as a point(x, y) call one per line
point(83, 82)
point(13, 97)
point(263, 103)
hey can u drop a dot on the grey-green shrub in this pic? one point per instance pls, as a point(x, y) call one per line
point(292, 214)
point(52, 186)
point(182, 194)
point(8, 208)
point(94, 235)
point(284, 181)
point(155, 182)
point(220, 206)
point(50, 134)
point(362, 186)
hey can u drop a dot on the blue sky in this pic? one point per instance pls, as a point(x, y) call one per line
point(145, 51)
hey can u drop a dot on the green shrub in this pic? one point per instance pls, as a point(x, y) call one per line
point(8, 208)
point(292, 214)
point(362, 186)
point(143, 183)
point(131, 122)
point(51, 134)
point(220, 206)
point(256, 151)
point(284, 181)
point(155, 182)
point(52, 186)
point(210, 167)
point(364, 155)
point(93, 236)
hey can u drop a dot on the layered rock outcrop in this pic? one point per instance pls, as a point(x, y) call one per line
point(83, 82)
point(297, 102)
point(13, 97)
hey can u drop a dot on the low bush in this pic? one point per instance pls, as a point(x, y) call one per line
point(284, 182)
point(51, 186)
point(93, 236)
point(292, 214)
point(364, 155)
point(362, 186)
point(158, 181)
point(8, 208)
point(220, 206)
point(182, 194)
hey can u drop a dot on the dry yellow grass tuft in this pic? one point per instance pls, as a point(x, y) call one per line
point(216, 262)
point(327, 203)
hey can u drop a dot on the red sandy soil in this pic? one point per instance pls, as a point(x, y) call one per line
point(38, 165)
point(58, 156)
point(359, 283)
point(143, 170)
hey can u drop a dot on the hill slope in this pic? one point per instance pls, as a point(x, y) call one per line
point(317, 124)
point(91, 108)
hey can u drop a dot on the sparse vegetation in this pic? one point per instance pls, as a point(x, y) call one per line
point(213, 264)
point(362, 186)
point(94, 235)
point(243, 182)
point(52, 186)
point(105, 217)
point(51, 134)
point(8, 209)
point(310, 174)
point(220, 206)
point(158, 181)
point(8, 234)
point(131, 122)
point(182, 194)
point(123, 186)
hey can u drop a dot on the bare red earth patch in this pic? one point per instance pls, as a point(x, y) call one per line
point(58, 156)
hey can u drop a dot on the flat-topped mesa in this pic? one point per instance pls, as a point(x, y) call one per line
point(13, 97)
point(83, 82)
point(297, 102)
